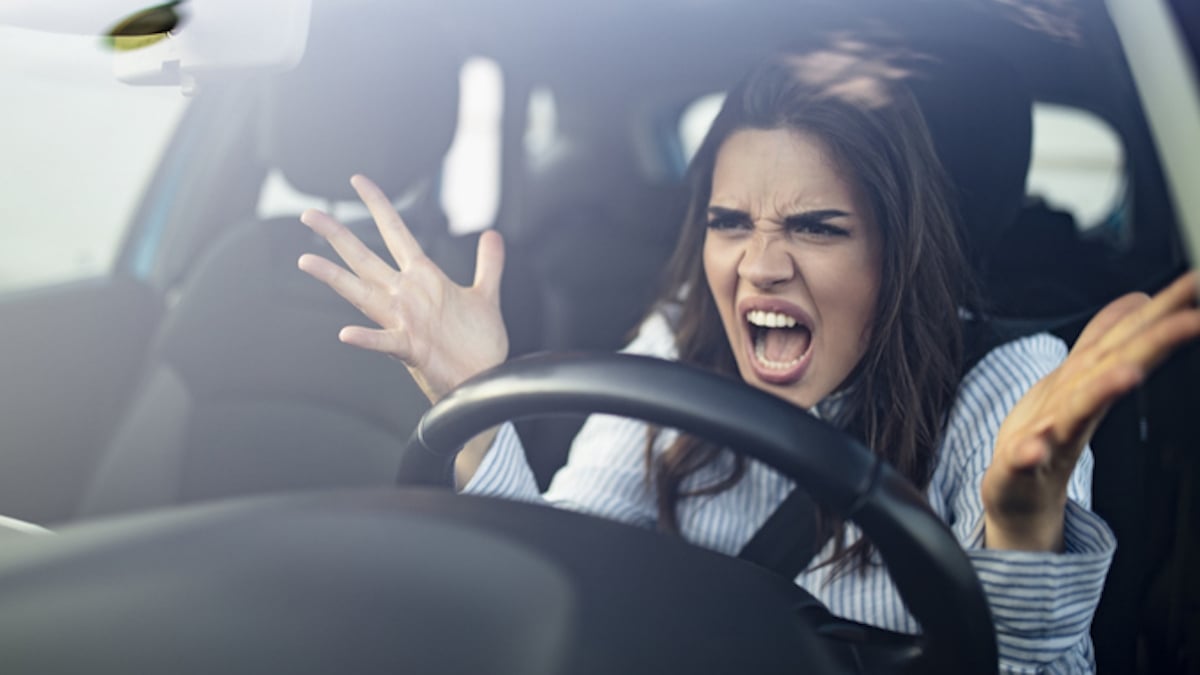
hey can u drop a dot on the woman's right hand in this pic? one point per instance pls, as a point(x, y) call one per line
point(444, 333)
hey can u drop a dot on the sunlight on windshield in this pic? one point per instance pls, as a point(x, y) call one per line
point(851, 70)
point(78, 148)
point(1056, 18)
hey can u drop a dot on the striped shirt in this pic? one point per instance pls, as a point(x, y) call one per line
point(1042, 603)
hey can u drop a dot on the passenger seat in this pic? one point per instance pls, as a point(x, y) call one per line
point(247, 388)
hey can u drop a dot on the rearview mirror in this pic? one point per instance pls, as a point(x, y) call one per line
point(213, 39)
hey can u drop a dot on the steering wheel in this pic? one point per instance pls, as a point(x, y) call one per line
point(421, 580)
point(932, 573)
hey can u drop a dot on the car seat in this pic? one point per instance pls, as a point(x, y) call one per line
point(592, 254)
point(246, 388)
point(979, 114)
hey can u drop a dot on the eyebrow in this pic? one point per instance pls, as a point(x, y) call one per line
point(817, 215)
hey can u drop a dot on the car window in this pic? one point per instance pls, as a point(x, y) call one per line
point(1078, 164)
point(541, 128)
point(697, 117)
point(471, 175)
point(69, 217)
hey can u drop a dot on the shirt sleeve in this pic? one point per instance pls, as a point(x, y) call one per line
point(504, 471)
point(1042, 603)
point(605, 474)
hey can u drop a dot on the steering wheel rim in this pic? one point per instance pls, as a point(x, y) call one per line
point(931, 572)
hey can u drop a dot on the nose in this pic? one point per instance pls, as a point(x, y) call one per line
point(766, 262)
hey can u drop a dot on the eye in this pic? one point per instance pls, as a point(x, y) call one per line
point(820, 227)
point(727, 222)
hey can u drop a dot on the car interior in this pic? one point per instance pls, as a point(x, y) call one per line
point(211, 367)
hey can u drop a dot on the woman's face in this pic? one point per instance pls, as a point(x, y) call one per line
point(793, 260)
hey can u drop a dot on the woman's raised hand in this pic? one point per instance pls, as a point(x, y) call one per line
point(444, 333)
point(1024, 490)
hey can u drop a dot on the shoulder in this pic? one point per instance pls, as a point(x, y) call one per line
point(1014, 366)
point(655, 336)
point(990, 389)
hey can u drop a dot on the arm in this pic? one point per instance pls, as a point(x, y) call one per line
point(1042, 601)
point(1041, 554)
point(445, 333)
point(442, 332)
point(605, 473)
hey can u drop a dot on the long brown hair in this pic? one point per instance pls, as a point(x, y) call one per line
point(897, 398)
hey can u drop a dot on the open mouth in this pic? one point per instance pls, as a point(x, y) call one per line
point(780, 341)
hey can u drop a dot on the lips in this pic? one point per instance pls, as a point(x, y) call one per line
point(779, 340)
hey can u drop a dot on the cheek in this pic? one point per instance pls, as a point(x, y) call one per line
point(707, 260)
point(866, 297)
point(720, 272)
point(848, 300)
point(716, 269)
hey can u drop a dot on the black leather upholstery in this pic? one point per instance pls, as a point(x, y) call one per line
point(979, 115)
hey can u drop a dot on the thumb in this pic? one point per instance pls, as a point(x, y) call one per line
point(489, 264)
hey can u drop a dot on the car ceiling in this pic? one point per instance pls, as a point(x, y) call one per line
point(610, 48)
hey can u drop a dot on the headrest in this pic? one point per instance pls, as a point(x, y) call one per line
point(371, 96)
point(979, 114)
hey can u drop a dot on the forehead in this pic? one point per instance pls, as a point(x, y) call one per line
point(773, 169)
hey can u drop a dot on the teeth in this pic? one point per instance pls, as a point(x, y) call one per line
point(765, 319)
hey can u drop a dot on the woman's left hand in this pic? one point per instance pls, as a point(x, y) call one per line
point(1024, 490)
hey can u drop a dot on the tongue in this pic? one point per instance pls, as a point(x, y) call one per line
point(784, 345)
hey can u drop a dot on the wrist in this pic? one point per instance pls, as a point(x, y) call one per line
point(470, 457)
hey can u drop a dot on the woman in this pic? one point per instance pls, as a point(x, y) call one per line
point(819, 262)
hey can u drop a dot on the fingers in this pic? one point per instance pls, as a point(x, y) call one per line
point(489, 264)
point(1178, 295)
point(1185, 289)
point(1084, 407)
point(368, 298)
point(399, 240)
point(1120, 347)
point(393, 342)
point(1110, 316)
point(361, 259)
point(342, 282)
point(1156, 342)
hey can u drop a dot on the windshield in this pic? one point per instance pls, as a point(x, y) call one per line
point(167, 342)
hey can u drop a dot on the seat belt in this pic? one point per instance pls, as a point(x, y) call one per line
point(788, 541)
